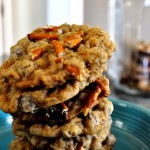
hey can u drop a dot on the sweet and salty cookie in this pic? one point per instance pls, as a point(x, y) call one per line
point(80, 143)
point(30, 101)
point(78, 53)
point(20, 143)
point(90, 124)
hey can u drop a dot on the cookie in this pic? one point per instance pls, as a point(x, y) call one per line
point(21, 144)
point(61, 113)
point(90, 124)
point(87, 141)
point(84, 143)
point(41, 61)
point(34, 100)
point(77, 62)
point(138, 76)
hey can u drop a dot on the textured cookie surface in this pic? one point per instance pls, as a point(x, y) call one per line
point(53, 85)
point(54, 56)
point(91, 124)
point(78, 143)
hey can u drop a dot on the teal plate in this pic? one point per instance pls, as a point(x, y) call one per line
point(5, 130)
point(131, 126)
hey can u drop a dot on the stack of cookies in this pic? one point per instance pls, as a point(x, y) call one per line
point(53, 86)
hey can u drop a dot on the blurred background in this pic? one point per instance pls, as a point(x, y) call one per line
point(127, 21)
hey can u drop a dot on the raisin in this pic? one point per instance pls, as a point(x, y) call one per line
point(52, 115)
point(19, 52)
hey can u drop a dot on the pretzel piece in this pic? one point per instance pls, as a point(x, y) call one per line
point(74, 40)
point(65, 108)
point(73, 70)
point(58, 48)
point(36, 53)
point(103, 87)
point(91, 101)
point(39, 36)
point(51, 28)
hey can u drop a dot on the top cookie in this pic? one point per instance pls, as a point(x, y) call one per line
point(53, 55)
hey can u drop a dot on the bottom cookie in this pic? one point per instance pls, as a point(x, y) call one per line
point(24, 144)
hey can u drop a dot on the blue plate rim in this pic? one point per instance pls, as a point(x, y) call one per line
point(129, 104)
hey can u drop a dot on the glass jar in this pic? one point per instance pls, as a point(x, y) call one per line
point(129, 25)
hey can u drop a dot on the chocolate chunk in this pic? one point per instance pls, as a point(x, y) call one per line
point(51, 115)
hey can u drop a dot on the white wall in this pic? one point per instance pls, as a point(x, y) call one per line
point(27, 15)
point(65, 11)
point(1, 35)
point(96, 13)
point(6, 27)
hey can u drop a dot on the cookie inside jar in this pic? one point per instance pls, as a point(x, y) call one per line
point(138, 75)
